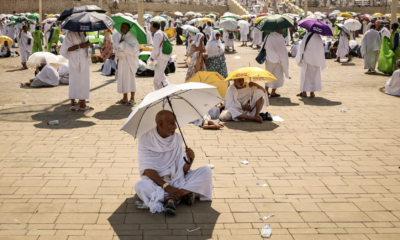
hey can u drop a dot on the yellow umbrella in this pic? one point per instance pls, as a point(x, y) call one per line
point(146, 49)
point(205, 20)
point(345, 15)
point(50, 16)
point(170, 32)
point(377, 15)
point(212, 78)
point(245, 16)
point(257, 20)
point(5, 38)
point(252, 74)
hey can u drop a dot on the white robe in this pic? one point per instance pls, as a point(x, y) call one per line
point(160, 80)
point(108, 65)
point(312, 63)
point(393, 84)
point(228, 42)
point(47, 77)
point(208, 30)
point(47, 27)
point(277, 60)
point(11, 34)
point(116, 36)
point(244, 31)
point(295, 48)
point(235, 98)
point(149, 38)
point(165, 156)
point(63, 73)
point(79, 77)
point(127, 59)
point(370, 47)
point(257, 36)
point(343, 47)
point(24, 48)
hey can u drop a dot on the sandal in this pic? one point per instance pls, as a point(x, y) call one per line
point(312, 96)
point(72, 108)
point(189, 199)
point(170, 207)
point(301, 95)
point(122, 101)
point(130, 103)
point(86, 108)
point(276, 95)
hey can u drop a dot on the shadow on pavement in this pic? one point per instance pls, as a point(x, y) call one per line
point(66, 118)
point(383, 90)
point(17, 70)
point(131, 223)
point(319, 101)
point(114, 112)
point(281, 102)
point(248, 126)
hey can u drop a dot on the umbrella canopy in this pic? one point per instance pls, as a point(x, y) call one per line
point(190, 13)
point(377, 15)
point(61, 59)
point(164, 16)
point(252, 74)
point(315, 26)
point(87, 22)
point(43, 57)
point(4, 39)
point(243, 23)
point(95, 39)
point(21, 19)
point(189, 102)
point(212, 15)
point(344, 28)
point(345, 15)
point(366, 17)
point(136, 29)
point(193, 21)
point(212, 78)
point(34, 16)
point(145, 55)
point(12, 24)
point(352, 24)
point(274, 23)
point(50, 16)
point(178, 14)
point(128, 14)
point(79, 9)
point(257, 20)
point(312, 16)
point(228, 24)
point(206, 20)
point(146, 15)
point(158, 19)
point(336, 11)
point(190, 29)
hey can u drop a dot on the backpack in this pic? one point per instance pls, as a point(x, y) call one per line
point(166, 46)
point(308, 39)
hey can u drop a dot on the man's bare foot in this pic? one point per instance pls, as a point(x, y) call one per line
point(258, 119)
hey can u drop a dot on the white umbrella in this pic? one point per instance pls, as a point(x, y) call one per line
point(119, 14)
point(129, 14)
point(61, 59)
point(43, 57)
point(135, 16)
point(243, 23)
point(178, 14)
point(189, 102)
point(190, 13)
point(193, 21)
point(352, 24)
point(344, 28)
point(190, 29)
point(228, 24)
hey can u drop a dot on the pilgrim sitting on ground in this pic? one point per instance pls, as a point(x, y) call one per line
point(166, 177)
point(63, 73)
point(246, 101)
point(5, 50)
point(47, 77)
point(108, 68)
point(393, 84)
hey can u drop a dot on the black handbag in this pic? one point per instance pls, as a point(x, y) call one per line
point(262, 55)
point(231, 36)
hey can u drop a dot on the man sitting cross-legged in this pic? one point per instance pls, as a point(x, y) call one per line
point(246, 101)
point(166, 177)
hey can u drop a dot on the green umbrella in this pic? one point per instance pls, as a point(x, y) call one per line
point(158, 19)
point(274, 23)
point(136, 29)
point(21, 19)
point(212, 15)
point(13, 18)
point(234, 17)
point(12, 24)
point(34, 16)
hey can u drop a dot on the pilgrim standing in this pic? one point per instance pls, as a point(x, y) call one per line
point(311, 59)
point(244, 31)
point(228, 40)
point(37, 40)
point(195, 58)
point(208, 30)
point(343, 47)
point(127, 64)
point(277, 60)
point(25, 45)
point(370, 47)
point(74, 48)
point(160, 80)
point(107, 45)
point(257, 37)
point(216, 61)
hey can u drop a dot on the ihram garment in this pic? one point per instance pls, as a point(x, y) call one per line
point(165, 156)
point(47, 77)
point(128, 62)
point(160, 80)
point(393, 84)
point(235, 98)
point(63, 74)
point(79, 78)
point(277, 60)
point(343, 47)
point(370, 47)
point(312, 63)
point(24, 47)
point(257, 36)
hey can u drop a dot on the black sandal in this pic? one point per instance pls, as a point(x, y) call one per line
point(189, 199)
point(170, 207)
point(276, 95)
point(301, 95)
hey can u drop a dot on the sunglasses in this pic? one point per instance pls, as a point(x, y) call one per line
point(217, 35)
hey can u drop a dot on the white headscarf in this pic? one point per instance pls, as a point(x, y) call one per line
point(214, 47)
point(197, 40)
point(213, 37)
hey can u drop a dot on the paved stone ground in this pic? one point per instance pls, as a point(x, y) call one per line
point(330, 175)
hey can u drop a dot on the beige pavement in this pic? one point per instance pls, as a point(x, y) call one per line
point(331, 175)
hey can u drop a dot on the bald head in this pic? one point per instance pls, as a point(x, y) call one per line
point(166, 123)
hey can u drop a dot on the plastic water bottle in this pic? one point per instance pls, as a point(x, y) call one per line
point(54, 122)
point(141, 205)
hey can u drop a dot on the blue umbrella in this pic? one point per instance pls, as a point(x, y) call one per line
point(164, 16)
point(336, 11)
point(87, 22)
point(147, 15)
